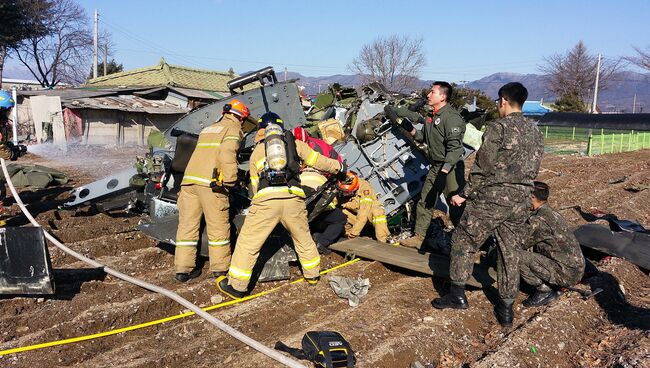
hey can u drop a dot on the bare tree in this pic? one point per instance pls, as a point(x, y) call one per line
point(62, 54)
point(21, 19)
point(574, 72)
point(642, 59)
point(395, 61)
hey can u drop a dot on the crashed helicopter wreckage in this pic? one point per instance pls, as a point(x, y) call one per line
point(382, 153)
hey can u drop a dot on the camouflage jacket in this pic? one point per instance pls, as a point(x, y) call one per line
point(443, 135)
point(550, 236)
point(510, 155)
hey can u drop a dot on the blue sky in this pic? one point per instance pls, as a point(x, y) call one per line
point(462, 40)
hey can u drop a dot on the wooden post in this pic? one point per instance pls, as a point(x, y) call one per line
point(602, 142)
point(612, 148)
point(546, 131)
point(573, 134)
point(589, 146)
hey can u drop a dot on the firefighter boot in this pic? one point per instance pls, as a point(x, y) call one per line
point(187, 276)
point(454, 299)
point(224, 287)
point(312, 281)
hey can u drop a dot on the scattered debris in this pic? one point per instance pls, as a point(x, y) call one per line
point(619, 180)
point(350, 289)
point(636, 188)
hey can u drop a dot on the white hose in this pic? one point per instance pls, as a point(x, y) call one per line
point(168, 293)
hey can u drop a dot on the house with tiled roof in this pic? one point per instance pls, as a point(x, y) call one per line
point(164, 74)
point(123, 108)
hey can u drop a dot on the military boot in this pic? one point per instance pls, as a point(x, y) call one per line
point(187, 276)
point(504, 313)
point(454, 299)
point(413, 242)
point(542, 296)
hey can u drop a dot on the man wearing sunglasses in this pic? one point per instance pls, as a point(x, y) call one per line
point(498, 198)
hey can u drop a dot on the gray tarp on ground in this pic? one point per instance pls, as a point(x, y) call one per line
point(34, 176)
point(350, 289)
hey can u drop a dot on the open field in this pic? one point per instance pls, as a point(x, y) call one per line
point(394, 325)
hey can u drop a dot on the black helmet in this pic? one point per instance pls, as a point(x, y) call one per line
point(269, 118)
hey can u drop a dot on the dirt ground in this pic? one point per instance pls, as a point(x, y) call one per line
point(394, 326)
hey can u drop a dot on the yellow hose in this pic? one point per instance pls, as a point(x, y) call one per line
point(159, 321)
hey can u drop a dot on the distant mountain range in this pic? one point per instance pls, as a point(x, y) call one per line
point(618, 97)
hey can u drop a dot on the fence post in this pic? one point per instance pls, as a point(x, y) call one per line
point(573, 134)
point(602, 143)
point(611, 150)
point(589, 142)
point(629, 141)
point(620, 144)
point(546, 131)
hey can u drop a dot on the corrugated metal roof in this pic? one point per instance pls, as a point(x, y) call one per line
point(165, 74)
point(67, 93)
point(124, 103)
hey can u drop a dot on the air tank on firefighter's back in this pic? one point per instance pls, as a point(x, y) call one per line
point(276, 154)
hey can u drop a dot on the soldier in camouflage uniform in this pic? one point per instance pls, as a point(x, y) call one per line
point(443, 135)
point(556, 259)
point(498, 190)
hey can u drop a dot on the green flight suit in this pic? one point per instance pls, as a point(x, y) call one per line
point(443, 135)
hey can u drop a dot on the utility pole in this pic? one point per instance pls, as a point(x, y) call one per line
point(105, 60)
point(95, 44)
point(593, 108)
point(14, 125)
point(634, 105)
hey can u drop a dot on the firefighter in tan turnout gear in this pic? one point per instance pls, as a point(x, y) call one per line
point(277, 198)
point(212, 169)
point(360, 204)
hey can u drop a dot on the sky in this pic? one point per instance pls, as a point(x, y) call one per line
point(462, 40)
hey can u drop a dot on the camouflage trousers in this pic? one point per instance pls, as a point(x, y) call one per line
point(537, 270)
point(498, 211)
point(435, 184)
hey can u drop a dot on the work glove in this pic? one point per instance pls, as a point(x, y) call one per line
point(407, 125)
point(343, 172)
point(418, 104)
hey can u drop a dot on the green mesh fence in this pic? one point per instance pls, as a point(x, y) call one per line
point(572, 140)
point(618, 142)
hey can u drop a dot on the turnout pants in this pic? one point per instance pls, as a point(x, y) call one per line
point(537, 269)
point(501, 212)
point(376, 216)
point(435, 184)
point(195, 201)
point(262, 218)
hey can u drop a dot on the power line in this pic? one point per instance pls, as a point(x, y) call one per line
point(153, 46)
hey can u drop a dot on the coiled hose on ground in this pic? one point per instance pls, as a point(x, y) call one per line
point(168, 293)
